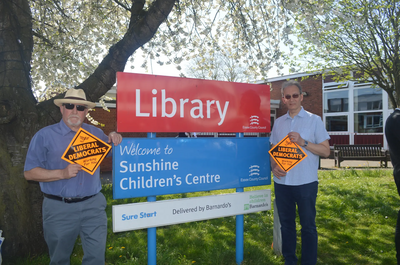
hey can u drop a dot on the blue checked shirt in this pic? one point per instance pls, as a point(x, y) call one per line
point(45, 151)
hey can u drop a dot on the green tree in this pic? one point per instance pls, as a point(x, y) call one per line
point(58, 44)
point(351, 39)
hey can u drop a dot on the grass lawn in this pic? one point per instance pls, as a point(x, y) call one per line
point(356, 218)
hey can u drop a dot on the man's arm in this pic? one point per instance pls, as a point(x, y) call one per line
point(322, 149)
point(45, 175)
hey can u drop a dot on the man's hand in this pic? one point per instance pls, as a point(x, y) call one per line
point(115, 138)
point(71, 171)
point(296, 138)
point(277, 171)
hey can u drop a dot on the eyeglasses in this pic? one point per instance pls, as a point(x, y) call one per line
point(71, 106)
point(290, 96)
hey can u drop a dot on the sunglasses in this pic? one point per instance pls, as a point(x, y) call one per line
point(290, 96)
point(71, 106)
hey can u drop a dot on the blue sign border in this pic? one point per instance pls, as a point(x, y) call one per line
point(157, 166)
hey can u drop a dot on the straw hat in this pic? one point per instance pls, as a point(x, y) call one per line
point(75, 96)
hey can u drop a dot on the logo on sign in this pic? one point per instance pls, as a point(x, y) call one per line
point(86, 150)
point(287, 154)
point(254, 120)
point(254, 170)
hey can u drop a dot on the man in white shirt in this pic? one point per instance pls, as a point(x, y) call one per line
point(299, 186)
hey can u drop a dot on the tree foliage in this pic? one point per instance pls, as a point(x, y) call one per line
point(219, 65)
point(353, 39)
point(71, 37)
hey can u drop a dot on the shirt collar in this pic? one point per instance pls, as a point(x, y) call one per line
point(301, 113)
point(64, 128)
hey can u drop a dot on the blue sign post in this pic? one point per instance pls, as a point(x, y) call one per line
point(151, 232)
point(239, 227)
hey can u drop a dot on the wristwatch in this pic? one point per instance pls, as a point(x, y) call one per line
point(305, 143)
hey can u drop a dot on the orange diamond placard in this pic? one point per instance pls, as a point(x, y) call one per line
point(287, 154)
point(86, 150)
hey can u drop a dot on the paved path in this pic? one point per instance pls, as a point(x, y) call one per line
point(330, 164)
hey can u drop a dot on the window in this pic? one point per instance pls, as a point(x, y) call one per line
point(370, 122)
point(353, 108)
point(336, 123)
point(272, 117)
point(373, 121)
point(336, 101)
point(367, 99)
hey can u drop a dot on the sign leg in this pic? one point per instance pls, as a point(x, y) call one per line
point(239, 235)
point(239, 227)
point(151, 240)
point(151, 232)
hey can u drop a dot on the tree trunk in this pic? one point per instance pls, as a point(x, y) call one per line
point(21, 117)
point(20, 213)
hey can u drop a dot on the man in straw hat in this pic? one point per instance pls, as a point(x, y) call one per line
point(73, 204)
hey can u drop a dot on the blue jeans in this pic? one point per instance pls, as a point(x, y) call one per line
point(304, 196)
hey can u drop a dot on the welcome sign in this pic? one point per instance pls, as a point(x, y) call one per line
point(148, 103)
point(156, 166)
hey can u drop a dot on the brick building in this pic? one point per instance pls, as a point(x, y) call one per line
point(353, 112)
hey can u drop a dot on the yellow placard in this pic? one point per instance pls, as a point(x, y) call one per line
point(86, 150)
point(287, 154)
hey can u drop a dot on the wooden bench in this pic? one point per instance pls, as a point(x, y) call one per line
point(369, 152)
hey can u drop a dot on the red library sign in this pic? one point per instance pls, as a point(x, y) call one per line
point(149, 103)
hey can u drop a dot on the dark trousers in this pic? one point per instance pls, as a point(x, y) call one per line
point(396, 175)
point(304, 196)
point(397, 238)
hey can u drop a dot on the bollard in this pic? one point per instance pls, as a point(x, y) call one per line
point(277, 236)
